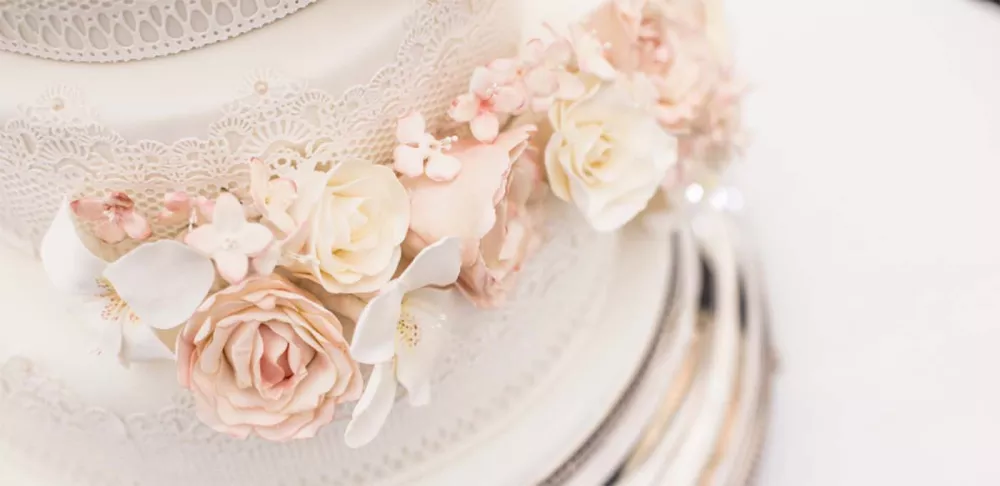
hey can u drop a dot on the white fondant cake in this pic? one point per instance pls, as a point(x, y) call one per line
point(331, 90)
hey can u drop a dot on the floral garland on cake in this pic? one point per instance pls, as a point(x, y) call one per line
point(620, 111)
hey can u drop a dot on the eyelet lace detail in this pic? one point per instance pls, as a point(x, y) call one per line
point(126, 30)
point(57, 147)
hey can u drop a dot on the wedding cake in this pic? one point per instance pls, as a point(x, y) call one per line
point(287, 242)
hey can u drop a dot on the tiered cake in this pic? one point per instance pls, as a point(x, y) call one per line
point(379, 242)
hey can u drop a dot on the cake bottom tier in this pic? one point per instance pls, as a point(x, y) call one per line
point(697, 410)
point(49, 437)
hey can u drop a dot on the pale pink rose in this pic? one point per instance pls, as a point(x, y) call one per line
point(264, 358)
point(486, 206)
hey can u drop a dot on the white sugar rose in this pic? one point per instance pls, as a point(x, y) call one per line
point(355, 230)
point(608, 154)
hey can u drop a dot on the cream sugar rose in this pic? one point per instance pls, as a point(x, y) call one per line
point(260, 282)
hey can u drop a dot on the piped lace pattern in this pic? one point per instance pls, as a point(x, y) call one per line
point(126, 30)
point(58, 148)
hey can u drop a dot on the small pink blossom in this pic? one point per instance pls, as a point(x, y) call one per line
point(493, 91)
point(230, 240)
point(181, 207)
point(545, 73)
point(420, 153)
point(272, 198)
point(116, 215)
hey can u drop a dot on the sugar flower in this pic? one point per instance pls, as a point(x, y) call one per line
point(230, 240)
point(401, 331)
point(608, 154)
point(181, 207)
point(273, 198)
point(265, 358)
point(116, 215)
point(492, 92)
point(485, 206)
point(157, 286)
point(421, 153)
point(355, 227)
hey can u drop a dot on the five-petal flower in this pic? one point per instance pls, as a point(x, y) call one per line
point(157, 286)
point(421, 153)
point(116, 215)
point(230, 240)
point(492, 92)
point(401, 331)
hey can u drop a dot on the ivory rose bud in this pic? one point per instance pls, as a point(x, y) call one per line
point(608, 154)
point(265, 358)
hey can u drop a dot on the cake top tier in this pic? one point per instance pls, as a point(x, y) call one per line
point(125, 30)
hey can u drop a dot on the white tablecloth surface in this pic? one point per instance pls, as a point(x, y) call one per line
point(873, 190)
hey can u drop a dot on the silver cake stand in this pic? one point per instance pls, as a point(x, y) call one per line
point(696, 411)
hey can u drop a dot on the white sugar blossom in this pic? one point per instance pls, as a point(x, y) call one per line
point(157, 286)
point(401, 331)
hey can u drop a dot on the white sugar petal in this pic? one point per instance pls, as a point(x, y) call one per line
point(162, 282)
point(108, 333)
point(373, 407)
point(139, 343)
point(374, 337)
point(437, 265)
point(229, 216)
point(68, 263)
point(415, 363)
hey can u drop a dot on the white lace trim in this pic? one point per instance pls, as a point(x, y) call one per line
point(125, 30)
point(557, 306)
point(56, 147)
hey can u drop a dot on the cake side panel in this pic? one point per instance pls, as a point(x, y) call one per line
point(73, 412)
point(162, 132)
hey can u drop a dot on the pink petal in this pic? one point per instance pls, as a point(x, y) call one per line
point(177, 202)
point(411, 128)
point(110, 232)
point(483, 80)
point(534, 50)
point(485, 127)
point(443, 168)
point(88, 208)
point(232, 266)
point(508, 99)
point(542, 82)
point(228, 216)
point(206, 239)
point(504, 70)
point(135, 226)
point(464, 108)
point(408, 160)
point(253, 239)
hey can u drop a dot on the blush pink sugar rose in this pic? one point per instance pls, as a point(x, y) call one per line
point(265, 358)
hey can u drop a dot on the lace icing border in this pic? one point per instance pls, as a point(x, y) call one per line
point(56, 147)
point(95, 31)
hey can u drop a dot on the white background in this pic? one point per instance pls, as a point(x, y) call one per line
point(873, 189)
